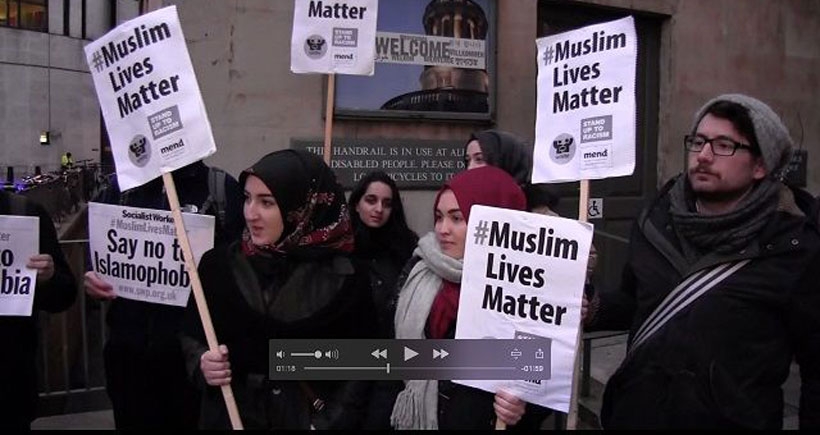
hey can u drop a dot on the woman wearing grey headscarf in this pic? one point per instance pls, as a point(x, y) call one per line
point(501, 149)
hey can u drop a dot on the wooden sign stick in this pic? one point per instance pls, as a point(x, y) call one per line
point(572, 416)
point(196, 285)
point(331, 94)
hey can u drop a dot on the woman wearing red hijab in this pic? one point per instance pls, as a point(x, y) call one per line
point(428, 305)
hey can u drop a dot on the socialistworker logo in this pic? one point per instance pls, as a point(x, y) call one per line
point(315, 46)
point(139, 151)
point(563, 149)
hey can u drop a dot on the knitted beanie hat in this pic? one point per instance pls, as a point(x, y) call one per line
point(772, 136)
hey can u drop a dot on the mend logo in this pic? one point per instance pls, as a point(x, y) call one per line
point(174, 148)
point(595, 154)
point(344, 58)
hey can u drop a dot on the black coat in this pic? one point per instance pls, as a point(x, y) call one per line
point(383, 271)
point(721, 362)
point(18, 335)
point(143, 358)
point(324, 298)
point(384, 251)
point(383, 268)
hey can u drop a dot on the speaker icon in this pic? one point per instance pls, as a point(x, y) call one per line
point(334, 354)
point(280, 353)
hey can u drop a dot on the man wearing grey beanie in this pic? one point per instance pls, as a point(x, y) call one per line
point(718, 292)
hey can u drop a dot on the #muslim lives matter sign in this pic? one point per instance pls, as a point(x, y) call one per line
point(137, 251)
point(149, 97)
point(19, 240)
point(524, 278)
point(334, 37)
point(585, 120)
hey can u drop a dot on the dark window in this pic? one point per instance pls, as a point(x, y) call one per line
point(82, 25)
point(556, 17)
point(24, 14)
point(622, 197)
point(66, 18)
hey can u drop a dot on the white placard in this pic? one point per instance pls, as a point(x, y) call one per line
point(19, 240)
point(149, 97)
point(136, 250)
point(524, 277)
point(585, 120)
point(334, 37)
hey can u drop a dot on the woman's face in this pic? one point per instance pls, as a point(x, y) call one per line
point(474, 156)
point(262, 215)
point(376, 204)
point(451, 228)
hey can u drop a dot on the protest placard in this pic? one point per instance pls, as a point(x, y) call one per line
point(19, 240)
point(156, 123)
point(524, 278)
point(333, 37)
point(585, 120)
point(137, 251)
point(149, 97)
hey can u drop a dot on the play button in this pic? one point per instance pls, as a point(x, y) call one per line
point(409, 353)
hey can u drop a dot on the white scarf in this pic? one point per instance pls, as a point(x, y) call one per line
point(417, 405)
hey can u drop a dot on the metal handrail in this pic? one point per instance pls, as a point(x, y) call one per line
point(73, 378)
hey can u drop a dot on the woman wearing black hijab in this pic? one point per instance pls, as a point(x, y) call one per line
point(290, 276)
point(384, 243)
point(383, 240)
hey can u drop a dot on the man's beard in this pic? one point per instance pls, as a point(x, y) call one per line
point(725, 195)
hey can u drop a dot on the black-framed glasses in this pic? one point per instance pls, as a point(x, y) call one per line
point(721, 146)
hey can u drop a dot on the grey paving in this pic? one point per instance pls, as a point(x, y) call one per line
point(98, 420)
point(606, 354)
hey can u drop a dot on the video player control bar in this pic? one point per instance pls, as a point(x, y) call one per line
point(486, 359)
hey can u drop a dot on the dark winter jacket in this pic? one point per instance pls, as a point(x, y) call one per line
point(720, 362)
point(334, 301)
point(18, 335)
point(383, 272)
